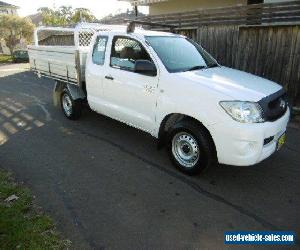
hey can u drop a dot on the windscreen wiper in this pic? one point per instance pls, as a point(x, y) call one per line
point(196, 68)
point(213, 65)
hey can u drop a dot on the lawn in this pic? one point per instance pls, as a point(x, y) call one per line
point(22, 226)
point(5, 59)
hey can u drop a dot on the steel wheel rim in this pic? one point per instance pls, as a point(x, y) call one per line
point(185, 149)
point(67, 104)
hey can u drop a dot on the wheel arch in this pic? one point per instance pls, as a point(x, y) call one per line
point(75, 91)
point(170, 120)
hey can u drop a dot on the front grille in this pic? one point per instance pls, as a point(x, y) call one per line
point(274, 106)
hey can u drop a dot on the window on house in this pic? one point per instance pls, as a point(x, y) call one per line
point(3, 11)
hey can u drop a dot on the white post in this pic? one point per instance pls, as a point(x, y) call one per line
point(35, 37)
point(76, 36)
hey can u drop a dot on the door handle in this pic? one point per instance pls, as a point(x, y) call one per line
point(109, 78)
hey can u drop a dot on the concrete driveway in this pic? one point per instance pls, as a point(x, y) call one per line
point(107, 187)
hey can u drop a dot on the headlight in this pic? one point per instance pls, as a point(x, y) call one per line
point(245, 112)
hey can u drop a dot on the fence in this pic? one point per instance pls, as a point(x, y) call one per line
point(272, 52)
point(263, 39)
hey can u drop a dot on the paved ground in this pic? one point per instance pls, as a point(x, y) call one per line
point(107, 186)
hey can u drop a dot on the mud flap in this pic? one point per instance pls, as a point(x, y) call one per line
point(76, 92)
point(57, 91)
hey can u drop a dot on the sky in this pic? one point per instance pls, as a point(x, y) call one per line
point(99, 8)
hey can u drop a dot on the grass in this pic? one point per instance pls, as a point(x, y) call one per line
point(22, 226)
point(5, 59)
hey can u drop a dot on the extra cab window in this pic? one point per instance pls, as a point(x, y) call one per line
point(125, 52)
point(99, 50)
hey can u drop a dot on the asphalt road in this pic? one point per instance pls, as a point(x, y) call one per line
point(107, 187)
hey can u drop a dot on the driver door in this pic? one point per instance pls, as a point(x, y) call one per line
point(130, 97)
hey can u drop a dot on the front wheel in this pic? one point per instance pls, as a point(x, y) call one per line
point(191, 147)
point(70, 107)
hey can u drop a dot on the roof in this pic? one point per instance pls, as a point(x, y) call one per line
point(144, 2)
point(88, 29)
point(153, 33)
point(138, 31)
point(98, 27)
point(36, 18)
point(7, 5)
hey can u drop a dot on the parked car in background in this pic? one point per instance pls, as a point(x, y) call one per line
point(19, 56)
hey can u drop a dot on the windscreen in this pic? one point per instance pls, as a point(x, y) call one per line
point(179, 54)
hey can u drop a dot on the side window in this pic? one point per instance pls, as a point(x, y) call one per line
point(99, 50)
point(125, 52)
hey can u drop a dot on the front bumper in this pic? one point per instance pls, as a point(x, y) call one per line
point(243, 144)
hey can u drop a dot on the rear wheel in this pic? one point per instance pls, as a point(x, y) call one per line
point(70, 107)
point(191, 147)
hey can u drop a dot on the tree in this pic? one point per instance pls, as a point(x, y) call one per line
point(60, 17)
point(82, 14)
point(65, 15)
point(14, 28)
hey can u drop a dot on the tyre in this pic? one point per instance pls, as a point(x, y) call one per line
point(71, 108)
point(191, 147)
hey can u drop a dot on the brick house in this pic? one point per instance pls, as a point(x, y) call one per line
point(6, 8)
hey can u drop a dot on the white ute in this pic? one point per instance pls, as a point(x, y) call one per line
point(168, 86)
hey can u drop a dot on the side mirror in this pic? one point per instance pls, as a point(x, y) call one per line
point(145, 67)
